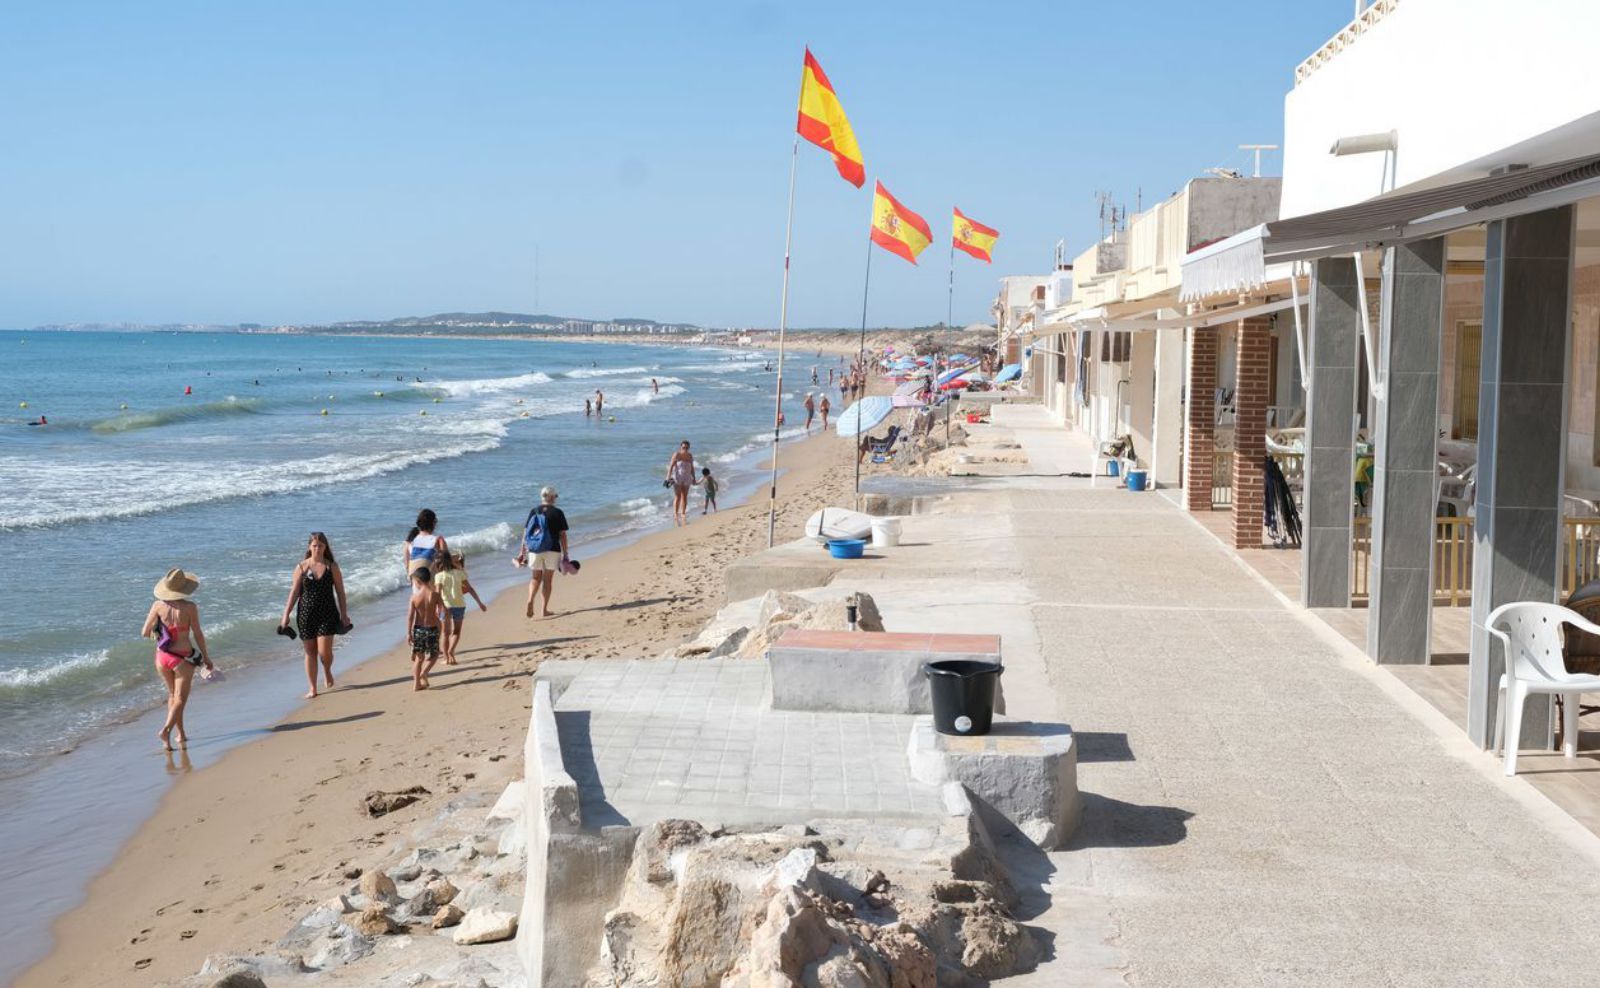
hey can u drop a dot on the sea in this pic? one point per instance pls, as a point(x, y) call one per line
point(220, 453)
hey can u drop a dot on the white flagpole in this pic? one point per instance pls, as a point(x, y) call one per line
point(949, 330)
point(783, 323)
point(861, 363)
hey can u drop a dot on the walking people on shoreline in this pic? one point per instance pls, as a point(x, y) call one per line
point(823, 407)
point(425, 619)
point(710, 484)
point(316, 596)
point(172, 619)
point(544, 548)
point(450, 579)
point(811, 409)
point(421, 544)
point(680, 476)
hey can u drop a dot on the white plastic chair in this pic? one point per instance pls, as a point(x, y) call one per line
point(1531, 634)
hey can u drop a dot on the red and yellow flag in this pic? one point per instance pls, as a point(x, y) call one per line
point(897, 229)
point(973, 237)
point(823, 123)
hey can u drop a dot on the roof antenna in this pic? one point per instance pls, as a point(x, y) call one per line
point(1258, 148)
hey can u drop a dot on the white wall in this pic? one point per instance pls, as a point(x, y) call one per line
point(1462, 81)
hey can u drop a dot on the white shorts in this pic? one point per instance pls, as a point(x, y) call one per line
point(545, 560)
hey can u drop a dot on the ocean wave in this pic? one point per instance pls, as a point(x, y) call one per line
point(156, 417)
point(640, 507)
point(488, 385)
point(22, 677)
point(646, 395)
point(374, 577)
point(94, 491)
point(606, 371)
point(729, 367)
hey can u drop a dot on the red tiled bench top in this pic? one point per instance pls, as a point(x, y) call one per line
point(889, 641)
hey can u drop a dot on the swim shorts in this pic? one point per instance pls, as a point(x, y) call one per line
point(425, 642)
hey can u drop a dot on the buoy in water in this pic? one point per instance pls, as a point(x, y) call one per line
point(188, 390)
point(524, 414)
point(324, 411)
point(423, 412)
point(124, 406)
point(437, 400)
point(332, 398)
point(377, 394)
point(611, 418)
point(22, 404)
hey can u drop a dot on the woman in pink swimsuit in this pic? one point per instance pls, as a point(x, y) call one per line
point(173, 618)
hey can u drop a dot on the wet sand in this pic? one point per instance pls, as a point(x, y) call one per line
point(239, 850)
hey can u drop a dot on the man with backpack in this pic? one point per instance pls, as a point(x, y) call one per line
point(544, 548)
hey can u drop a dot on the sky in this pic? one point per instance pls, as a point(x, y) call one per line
point(305, 162)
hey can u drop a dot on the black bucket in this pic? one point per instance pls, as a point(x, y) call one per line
point(963, 695)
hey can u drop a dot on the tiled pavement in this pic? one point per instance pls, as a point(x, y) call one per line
point(648, 740)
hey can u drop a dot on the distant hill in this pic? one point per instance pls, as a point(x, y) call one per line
point(499, 319)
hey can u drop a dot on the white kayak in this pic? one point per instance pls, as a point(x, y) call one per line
point(838, 523)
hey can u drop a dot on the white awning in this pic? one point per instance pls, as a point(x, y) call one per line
point(1244, 261)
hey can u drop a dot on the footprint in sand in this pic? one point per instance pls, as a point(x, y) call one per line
point(143, 962)
point(187, 934)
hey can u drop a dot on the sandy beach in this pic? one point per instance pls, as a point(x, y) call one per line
point(238, 850)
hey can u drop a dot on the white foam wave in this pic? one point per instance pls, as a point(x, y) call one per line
point(488, 385)
point(442, 426)
point(640, 507)
point(66, 492)
point(23, 677)
point(374, 577)
point(646, 395)
point(606, 371)
point(730, 367)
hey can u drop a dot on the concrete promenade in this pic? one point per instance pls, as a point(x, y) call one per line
point(1262, 806)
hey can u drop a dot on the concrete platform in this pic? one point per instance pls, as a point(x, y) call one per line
point(655, 739)
point(1025, 770)
point(865, 671)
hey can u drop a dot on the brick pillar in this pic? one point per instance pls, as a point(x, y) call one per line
point(1200, 420)
point(1254, 363)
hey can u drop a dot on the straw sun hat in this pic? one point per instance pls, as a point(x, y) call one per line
point(177, 585)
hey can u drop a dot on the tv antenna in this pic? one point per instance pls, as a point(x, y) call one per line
point(1258, 148)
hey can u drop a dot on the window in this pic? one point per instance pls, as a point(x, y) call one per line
point(1469, 360)
point(1115, 348)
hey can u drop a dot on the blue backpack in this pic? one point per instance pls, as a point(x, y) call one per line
point(533, 532)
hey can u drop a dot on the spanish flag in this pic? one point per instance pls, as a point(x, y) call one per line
point(823, 123)
point(897, 229)
point(973, 237)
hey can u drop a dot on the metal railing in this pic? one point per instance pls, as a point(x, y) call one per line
point(1452, 557)
point(1347, 36)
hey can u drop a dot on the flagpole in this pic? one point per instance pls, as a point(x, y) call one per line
point(783, 323)
point(861, 364)
point(949, 307)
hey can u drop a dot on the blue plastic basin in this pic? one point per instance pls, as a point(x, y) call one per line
point(846, 548)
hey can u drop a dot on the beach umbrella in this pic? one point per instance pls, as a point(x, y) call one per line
point(864, 415)
point(910, 387)
point(1010, 372)
point(954, 385)
point(975, 377)
point(950, 375)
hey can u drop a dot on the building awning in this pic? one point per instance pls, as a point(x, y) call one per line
point(1241, 261)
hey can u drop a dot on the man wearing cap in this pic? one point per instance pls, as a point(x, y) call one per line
point(544, 548)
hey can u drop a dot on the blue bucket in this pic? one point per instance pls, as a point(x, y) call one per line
point(1113, 468)
point(846, 548)
point(1137, 479)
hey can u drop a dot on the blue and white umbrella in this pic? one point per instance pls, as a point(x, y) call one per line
point(864, 415)
point(1010, 372)
point(951, 375)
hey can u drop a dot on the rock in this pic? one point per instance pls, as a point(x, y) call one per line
point(910, 962)
point(374, 921)
point(412, 866)
point(257, 966)
point(491, 892)
point(448, 915)
point(995, 945)
point(327, 914)
point(777, 605)
point(240, 979)
point(379, 803)
point(514, 841)
point(485, 926)
point(378, 887)
point(443, 892)
point(339, 946)
point(729, 645)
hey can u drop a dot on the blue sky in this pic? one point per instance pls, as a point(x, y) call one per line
point(311, 161)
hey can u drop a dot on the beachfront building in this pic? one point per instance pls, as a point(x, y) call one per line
point(1452, 242)
point(1114, 357)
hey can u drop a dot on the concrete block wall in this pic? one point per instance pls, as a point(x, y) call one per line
point(1252, 367)
point(1200, 427)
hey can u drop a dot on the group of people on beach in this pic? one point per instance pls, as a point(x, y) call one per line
point(681, 477)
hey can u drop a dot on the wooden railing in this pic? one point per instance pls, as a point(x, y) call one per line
point(1452, 557)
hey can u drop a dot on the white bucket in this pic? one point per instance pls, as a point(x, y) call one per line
point(885, 532)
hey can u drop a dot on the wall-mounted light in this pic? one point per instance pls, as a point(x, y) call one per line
point(1366, 143)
